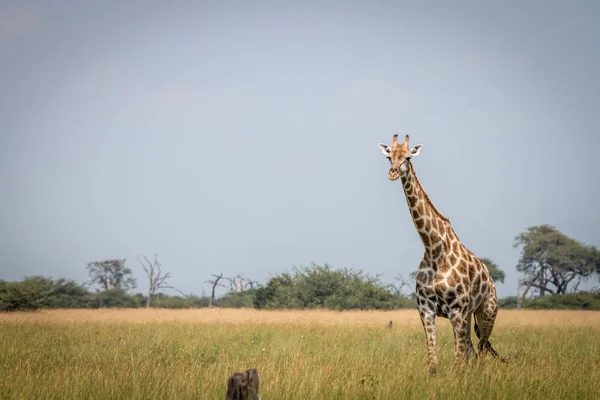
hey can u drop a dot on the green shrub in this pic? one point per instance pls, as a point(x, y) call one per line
point(324, 287)
point(509, 302)
point(113, 298)
point(238, 300)
point(569, 301)
point(165, 301)
point(37, 292)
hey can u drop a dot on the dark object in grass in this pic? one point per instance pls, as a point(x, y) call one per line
point(243, 386)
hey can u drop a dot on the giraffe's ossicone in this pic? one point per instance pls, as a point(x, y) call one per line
point(451, 282)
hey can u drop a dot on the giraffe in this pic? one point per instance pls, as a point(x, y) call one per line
point(451, 282)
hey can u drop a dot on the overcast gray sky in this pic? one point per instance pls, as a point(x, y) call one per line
point(241, 137)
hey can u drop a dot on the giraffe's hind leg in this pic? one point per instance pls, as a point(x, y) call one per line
point(485, 318)
point(470, 350)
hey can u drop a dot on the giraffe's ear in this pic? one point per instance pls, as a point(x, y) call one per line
point(385, 149)
point(416, 150)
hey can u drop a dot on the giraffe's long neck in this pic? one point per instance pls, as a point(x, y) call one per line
point(433, 227)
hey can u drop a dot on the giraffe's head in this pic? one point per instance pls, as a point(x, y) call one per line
point(399, 155)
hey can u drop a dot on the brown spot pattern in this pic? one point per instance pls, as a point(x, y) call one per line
point(419, 223)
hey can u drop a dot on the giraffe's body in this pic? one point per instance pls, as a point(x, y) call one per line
point(451, 282)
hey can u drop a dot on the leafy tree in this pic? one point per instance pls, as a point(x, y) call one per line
point(552, 262)
point(30, 294)
point(69, 294)
point(37, 292)
point(113, 298)
point(3, 300)
point(111, 274)
point(244, 299)
point(279, 292)
point(324, 287)
point(496, 273)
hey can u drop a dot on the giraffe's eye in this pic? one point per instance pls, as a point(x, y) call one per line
point(389, 159)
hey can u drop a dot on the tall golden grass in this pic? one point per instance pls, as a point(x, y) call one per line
point(189, 354)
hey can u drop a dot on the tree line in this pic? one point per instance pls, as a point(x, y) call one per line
point(552, 266)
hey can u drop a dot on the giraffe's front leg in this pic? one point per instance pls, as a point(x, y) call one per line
point(428, 320)
point(461, 326)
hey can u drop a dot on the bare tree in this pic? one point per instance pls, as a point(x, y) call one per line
point(238, 283)
point(252, 284)
point(182, 293)
point(214, 283)
point(400, 283)
point(156, 277)
point(111, 274)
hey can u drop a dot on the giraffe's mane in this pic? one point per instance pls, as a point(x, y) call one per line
point(427, 199)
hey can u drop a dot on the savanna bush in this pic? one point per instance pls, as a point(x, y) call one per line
point(325, 287)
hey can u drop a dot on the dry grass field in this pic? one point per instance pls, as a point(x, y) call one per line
point(189, 354)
